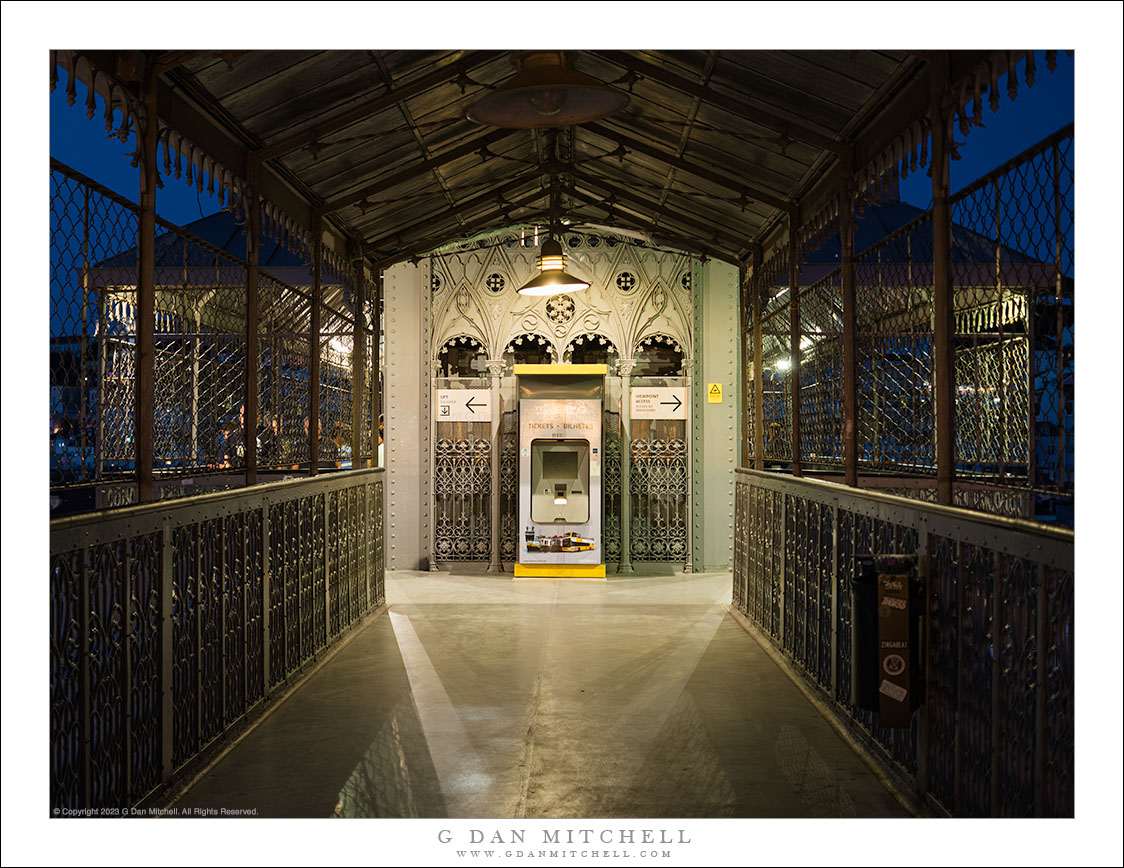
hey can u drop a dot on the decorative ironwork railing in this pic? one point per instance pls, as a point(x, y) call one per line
point(171, 623)
point(994, 734)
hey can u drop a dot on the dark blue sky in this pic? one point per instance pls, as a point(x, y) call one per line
point(82, 143)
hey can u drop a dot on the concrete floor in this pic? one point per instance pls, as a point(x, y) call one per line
point(479, 696)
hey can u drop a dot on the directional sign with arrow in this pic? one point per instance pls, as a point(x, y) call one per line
point(662, 402)
point(464, 405)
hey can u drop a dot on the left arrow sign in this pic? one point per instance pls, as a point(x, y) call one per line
point(469, 404)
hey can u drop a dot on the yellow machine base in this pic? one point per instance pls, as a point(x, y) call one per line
point(560, 571)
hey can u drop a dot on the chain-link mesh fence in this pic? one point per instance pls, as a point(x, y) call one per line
point(894, 351)
point(93, 354)
point(1012, 274)
point(200, 362)
point(1014, 323)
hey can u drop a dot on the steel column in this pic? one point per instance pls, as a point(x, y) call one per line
point(253, 244)
point(144, 420)
point(84, 371)
point(358, 357)
point(794, 331)
point(495, 370)
point(1032, 405)
point(195, 389)
point(847, 293)
point(103, 348)
point(314, 350)
point(758, 366)
point(624, 369)
point(1002, 349)
point(376, 371)
point(743, 308)
point(1059, 298)
point(943, 354)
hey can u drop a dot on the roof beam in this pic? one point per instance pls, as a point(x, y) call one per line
point(489, 196)
point(726, 103)
point(420, 167)
point(477, 225)
point(312, 134)
point(689, 167)
point(709, 232)
point(657, 234)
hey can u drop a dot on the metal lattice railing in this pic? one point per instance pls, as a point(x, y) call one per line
point(171, 623)
point(1014, 322)
point(200, 361)
point(91, 341)
point(462, 484)
point(894, 345)
point(1012, 274)
point(657, 485)
point(821, 371)
point(993, 733)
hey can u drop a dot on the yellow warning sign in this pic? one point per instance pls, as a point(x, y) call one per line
point(714, 393)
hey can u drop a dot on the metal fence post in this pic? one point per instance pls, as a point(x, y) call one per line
point(85, 601)
point(253, 301)
point(624, 369)
point(314, 350)
point(943, 355)
point(794, 334)
point(758, 363)
point(266, 620)
point(358, 357)
point(144, 417)
point(743, 310)
point(847, 293)
point(495, 371)
point(167, 650)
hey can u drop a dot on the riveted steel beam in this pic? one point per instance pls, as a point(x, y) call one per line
point(720, 100)
point(659, 233)
point(418, 248)
point(488, 197)
point(651, 206)
point(695, 169)
point(423, 165)
point(315, 132)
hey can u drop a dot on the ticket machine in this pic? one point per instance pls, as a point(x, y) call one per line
point(560, 411)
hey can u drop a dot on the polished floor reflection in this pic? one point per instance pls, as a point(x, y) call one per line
point(477, 696)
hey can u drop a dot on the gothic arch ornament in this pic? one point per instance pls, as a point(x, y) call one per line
point(656, 340)
point(441, 361)
point(589, 338)
point(530, 339)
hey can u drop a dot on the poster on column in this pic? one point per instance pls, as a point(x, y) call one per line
point(464, 405)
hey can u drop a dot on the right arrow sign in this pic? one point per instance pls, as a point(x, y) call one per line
point(659, 402)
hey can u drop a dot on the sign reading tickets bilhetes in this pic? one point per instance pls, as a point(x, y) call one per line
point(893, 642)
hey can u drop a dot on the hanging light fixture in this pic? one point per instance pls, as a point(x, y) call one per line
point(546, 92)
point(552, 279)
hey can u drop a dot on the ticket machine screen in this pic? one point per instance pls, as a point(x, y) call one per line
point(560, 481)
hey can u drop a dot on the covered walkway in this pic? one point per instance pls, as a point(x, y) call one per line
point(477, 696)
